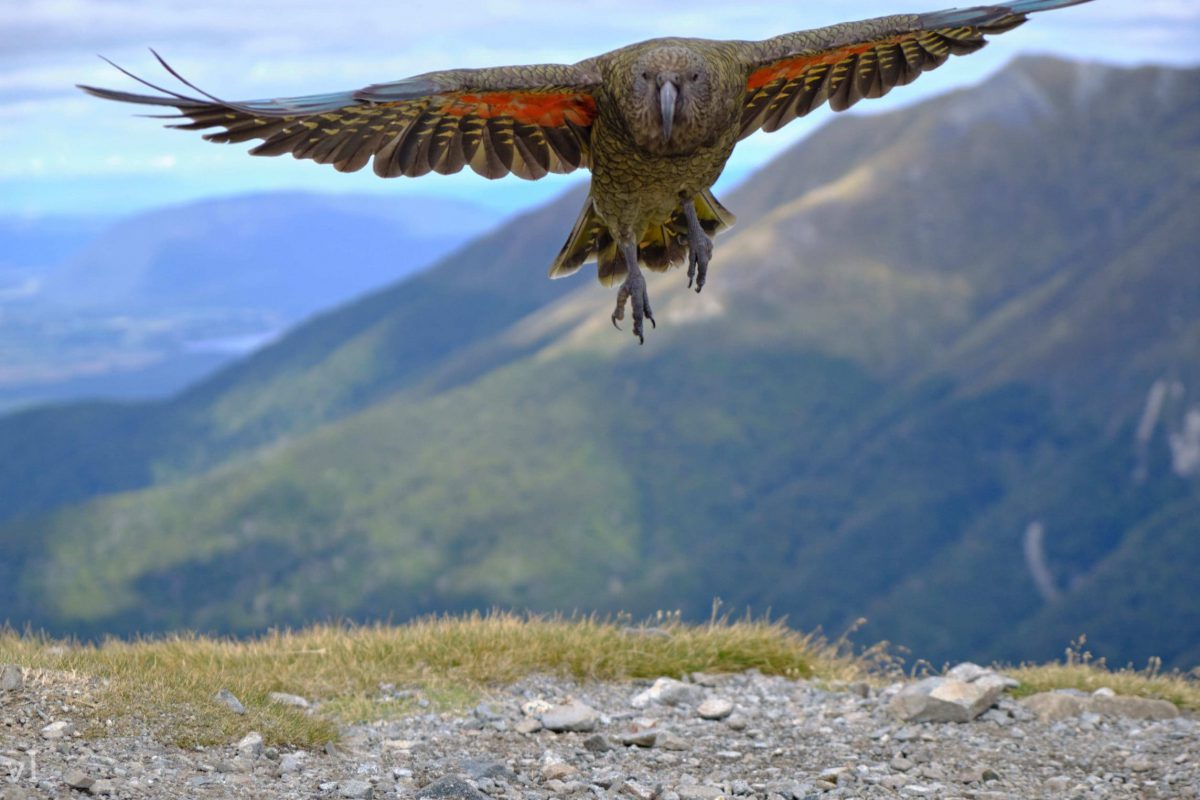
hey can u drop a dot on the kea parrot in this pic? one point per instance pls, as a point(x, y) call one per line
point(655, 123)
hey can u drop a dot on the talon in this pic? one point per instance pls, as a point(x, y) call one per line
point(614, 321)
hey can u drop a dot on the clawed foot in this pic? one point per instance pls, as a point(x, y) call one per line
point(699, 254)
point(634, 289)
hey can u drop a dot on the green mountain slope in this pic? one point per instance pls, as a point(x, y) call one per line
point(930, 331)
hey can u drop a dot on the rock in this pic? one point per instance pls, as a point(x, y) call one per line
point(226, 698)
point(573, 716)
point(251, 745)
point(1053, 706)
point(945, 700)
point(285, 699)
point(292, 763)
point(1139, 764)
point(1134, 707)
point(535, 708)
point(57, 730)
point(480, 768)
point(597, 743)
point(1058, 705)
point(558, 771)
point(11, 678)
point(102, 786)
point(901, 764)
point(737, 722)
point(1104, 691)
point(636, 790)
point(355, 790)
point(528, 725)
point(668, 692)
point(78, 779)
point(695, 791)
point(450, 787)
point(639, 737)
point(669, 741)
point(715, 708)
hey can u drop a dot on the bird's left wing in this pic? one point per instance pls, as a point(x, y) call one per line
point(527, 120)
point(790, 75)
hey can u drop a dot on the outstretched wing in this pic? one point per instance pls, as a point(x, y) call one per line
point(528, 120)
point(790, 75)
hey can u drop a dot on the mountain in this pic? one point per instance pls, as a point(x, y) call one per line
point(289, 253)
point(944, 376)
point(156, 301)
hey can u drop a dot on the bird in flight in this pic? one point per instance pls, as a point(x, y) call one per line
point(655, 123)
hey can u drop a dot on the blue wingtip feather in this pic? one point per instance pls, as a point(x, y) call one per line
point(980, 14)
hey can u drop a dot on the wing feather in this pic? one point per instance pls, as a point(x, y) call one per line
point(790, 75)
point(528, 120)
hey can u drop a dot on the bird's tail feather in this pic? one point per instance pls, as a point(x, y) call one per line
point(662, 246)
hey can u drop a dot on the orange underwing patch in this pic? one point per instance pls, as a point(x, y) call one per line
point(547, 109)
point(794, 67)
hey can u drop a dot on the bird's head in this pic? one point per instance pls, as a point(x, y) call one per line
point(670, 89)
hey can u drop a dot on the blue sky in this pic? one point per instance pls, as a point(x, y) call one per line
point(64, 152)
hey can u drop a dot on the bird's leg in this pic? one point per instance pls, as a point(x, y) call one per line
point(699, 247)
point(634, 290)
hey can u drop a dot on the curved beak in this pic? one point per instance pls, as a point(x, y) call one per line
point(667, 96)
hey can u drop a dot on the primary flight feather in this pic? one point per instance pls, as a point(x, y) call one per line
point(655, 122)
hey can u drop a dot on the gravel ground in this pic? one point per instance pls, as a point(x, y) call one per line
point(766, 738)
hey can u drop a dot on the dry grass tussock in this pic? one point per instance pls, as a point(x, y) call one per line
point(1079, 670)
point(165, 686)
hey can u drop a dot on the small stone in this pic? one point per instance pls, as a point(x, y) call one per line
point(695, 791)
point(57, 730)
point(292, 763)
point(669, 741)
point(451, 787)
point(715, 708)
point(737, 722)
point(102, 786)
point(535, 708)
point(1139, 764)
point(285, 699)
point(636, 790)
point(597, 743)
point(970, 775)
point(668, 692)
point(901, 764)
point(558, 771)
point(226, 698)
point(78, 779)
point(355, 790)
point(11, 678)
point(251, 745)
point(573, 716)
point(528, 725)
point(1104, 691)
point(639, 737)
point(1057, 784)
point(486, 768)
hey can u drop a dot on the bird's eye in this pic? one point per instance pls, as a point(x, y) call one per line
point(645, 76)
point(695, 76)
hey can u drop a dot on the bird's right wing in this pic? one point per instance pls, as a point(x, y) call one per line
point(529, 120)
point(790, 75)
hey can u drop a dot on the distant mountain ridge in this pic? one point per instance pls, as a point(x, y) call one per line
point(932, 330)
point(146, 305)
